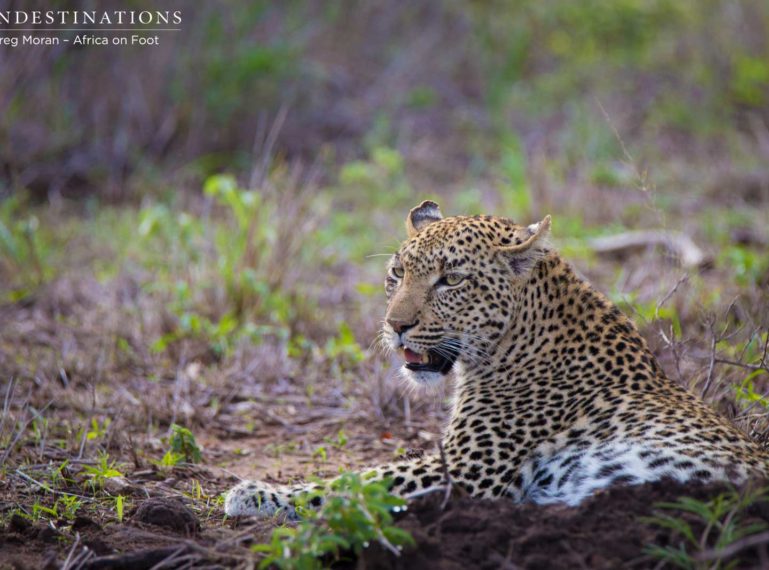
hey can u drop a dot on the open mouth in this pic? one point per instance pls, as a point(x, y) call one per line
point(430, 361)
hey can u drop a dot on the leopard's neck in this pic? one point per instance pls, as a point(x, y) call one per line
point(562, 326)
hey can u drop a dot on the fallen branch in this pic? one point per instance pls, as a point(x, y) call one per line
point(153, 558)
point(49, 489)
point(681, 246)
point(712, 364)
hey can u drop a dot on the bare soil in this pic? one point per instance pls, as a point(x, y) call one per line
point(605, 532)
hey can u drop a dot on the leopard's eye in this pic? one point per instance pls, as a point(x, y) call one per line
point(451, 279)
point(398, 272)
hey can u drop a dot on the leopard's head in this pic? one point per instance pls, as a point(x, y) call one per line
point(453, 286)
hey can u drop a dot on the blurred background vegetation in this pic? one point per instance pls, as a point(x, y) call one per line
point(461, 89)
point(244, 175)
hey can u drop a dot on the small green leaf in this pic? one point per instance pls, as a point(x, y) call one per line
point(119, 507)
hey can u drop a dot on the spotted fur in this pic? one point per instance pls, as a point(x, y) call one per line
point(556, 393)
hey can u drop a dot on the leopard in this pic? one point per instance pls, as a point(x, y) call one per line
point(556, 395)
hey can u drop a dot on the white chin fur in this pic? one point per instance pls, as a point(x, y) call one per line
point(422, 378)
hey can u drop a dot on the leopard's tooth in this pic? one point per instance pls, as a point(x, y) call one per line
point(425, 358)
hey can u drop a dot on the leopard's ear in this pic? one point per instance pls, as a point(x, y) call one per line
point(423, 215)
point(523, 256)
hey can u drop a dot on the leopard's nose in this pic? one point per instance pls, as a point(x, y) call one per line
point(400, 326)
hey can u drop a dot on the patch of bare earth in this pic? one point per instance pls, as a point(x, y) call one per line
point(606, 532)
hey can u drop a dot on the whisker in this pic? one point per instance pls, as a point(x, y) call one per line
point(381, 343)
point(474, 354)
point(459, 343)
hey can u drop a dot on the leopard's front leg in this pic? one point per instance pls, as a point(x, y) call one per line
point(258, 498)
point(410, 478)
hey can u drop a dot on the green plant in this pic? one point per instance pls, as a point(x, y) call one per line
point(56, 476)
point(339, 443)
point(67, 506)
point(182, 448)
point(746, 392)
point(247, 251)
point(119, 506)
point(321, 453)
point(277, 450)
point(40, 511)
point(721, 520)
point(381, 179)
point(647, 311)
point(183, 444)
point(748, 265)
point(750, 80)
point(238, 256)
point(379, 184)
point(103, 470)
point(39, 429)
point(196, 490)
point(169, 460)
point(751, 351)
point(515, 191)
point(355, 511)
point(25, 250)
point(98, 429)
point(344, 346)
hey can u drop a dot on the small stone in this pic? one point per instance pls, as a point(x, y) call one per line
point(18, 524)
point(117, 485)
point(168, 513)
point(99, 547)
point(82, 522)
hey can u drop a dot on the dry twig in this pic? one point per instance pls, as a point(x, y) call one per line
point(446, 475)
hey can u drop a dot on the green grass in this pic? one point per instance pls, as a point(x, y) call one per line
point(26, 250)
point(183, 445)
point(700, 529)
point(105, 468)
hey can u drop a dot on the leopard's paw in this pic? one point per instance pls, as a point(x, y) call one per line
point(256, 498)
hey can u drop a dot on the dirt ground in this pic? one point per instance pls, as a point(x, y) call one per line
point(606, 532)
